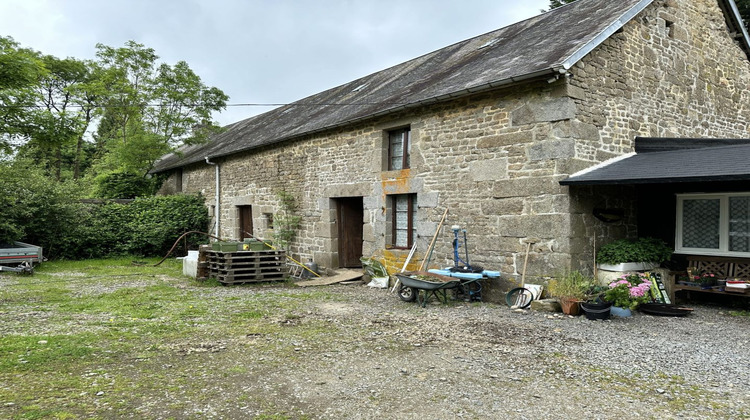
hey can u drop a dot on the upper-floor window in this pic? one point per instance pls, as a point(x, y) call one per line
point(717, 224)
point(398, 149)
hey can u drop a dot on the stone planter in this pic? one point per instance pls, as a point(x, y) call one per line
point(608, 273)
point(629, 266)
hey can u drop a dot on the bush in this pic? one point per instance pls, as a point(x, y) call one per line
point(126, 185)
point(41, 211)
point(149, 226)
point(570, 284)
point(641, 250)
point(36, 209)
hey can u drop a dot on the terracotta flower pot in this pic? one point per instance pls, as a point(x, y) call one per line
point(570, 306)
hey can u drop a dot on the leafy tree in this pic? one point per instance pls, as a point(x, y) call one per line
point(142, 109)
point(150, 109)
point(61, 113)
point(47, 109)
point(20, 69)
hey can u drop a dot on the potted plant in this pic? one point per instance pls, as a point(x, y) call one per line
point(630, 255)
point(595, 307)
point(704, 279)
point(628, 292)
point(570, 289)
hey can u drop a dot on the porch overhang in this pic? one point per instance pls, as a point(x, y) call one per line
point(662, 161)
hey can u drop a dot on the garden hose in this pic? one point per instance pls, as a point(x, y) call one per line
point(178, 241)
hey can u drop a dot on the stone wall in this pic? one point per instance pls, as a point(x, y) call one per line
point(495, 160)
point(672, 71)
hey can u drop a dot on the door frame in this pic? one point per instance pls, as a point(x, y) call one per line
point(349, 224)
point(244, 216)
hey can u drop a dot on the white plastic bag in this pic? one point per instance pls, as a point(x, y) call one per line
point(379, 282)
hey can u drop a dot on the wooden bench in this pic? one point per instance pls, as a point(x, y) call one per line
point(722, 267)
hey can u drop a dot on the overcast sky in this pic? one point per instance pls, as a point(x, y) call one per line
point(261, 51)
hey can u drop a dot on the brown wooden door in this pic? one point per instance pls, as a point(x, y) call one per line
point(350, 214)
point(246, 221)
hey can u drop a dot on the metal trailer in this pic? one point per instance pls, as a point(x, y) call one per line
point(19, 257)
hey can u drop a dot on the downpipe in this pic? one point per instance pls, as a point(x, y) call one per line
point(217, 211)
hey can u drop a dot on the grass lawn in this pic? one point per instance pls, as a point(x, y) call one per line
point(100, 338)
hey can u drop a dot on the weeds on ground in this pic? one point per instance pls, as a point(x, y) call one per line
point(99, 338)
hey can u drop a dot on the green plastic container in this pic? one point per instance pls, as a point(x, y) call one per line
point(226, 246)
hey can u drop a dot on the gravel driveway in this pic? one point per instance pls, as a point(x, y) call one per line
point(487, 361)
point(353, 352)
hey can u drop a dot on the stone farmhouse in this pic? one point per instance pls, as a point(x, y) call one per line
point(529, 133)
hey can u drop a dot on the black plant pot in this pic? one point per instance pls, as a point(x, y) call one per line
point(596, 310)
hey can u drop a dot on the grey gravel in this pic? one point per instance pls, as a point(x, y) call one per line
point(486, 361)
point(361, 353)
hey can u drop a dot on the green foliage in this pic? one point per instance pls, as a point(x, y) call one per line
point(57, 111)
point(570, 284)
point(151, 108)
point(34, 208)
point(142, 109)
point(147, 226)
point(285, 221)
point(37, 210)
point(627, 250)
point(20, 69)
point(373, 267)
point(125, 185)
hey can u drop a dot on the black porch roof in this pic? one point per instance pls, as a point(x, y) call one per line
point(665, 160)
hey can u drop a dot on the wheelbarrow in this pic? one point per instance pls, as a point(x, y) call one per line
point(421, 285)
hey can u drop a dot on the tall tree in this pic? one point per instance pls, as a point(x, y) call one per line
point(20, 70)
point(58, 119)
point(151, 109)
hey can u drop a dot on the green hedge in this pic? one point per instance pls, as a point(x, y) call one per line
point(147, 226)
point(40, 211)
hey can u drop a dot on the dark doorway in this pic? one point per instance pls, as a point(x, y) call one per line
point(246, 221)
point(350, 214)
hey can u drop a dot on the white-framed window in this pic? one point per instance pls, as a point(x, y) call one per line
point(713, 224)
point(403, 208)
point(399, 143)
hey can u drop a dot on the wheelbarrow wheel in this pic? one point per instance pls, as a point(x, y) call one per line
point(407, 294)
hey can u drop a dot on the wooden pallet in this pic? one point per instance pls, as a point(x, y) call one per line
point(246, 266)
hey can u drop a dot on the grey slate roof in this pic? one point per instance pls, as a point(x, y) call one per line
point(543, 45)
point(660, 160)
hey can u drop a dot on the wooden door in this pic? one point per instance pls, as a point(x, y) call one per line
point(246, 222)
point(350, 215)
